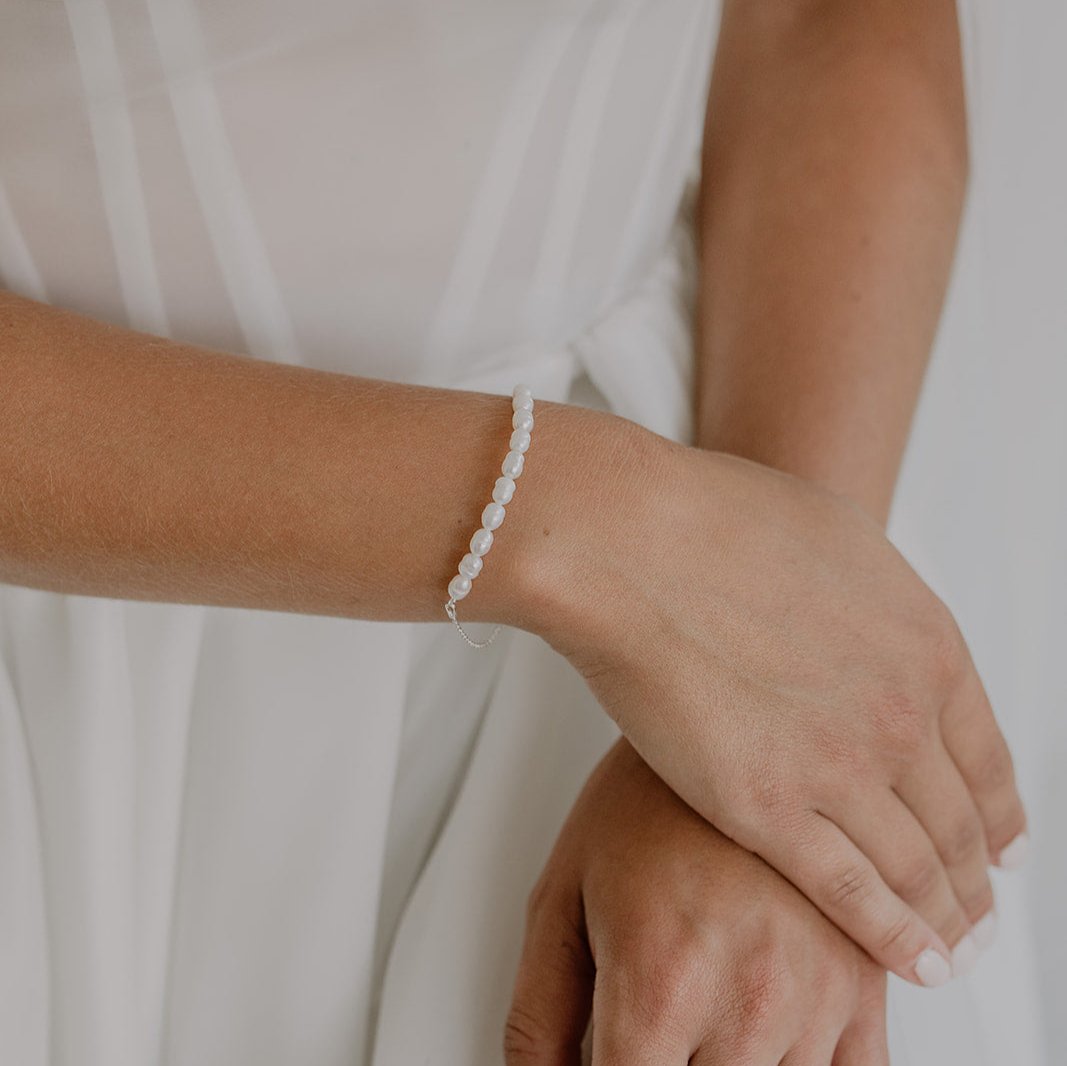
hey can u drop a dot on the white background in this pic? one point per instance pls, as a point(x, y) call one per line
point(982, 509)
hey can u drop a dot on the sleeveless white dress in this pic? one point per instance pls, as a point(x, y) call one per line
point(233, 837)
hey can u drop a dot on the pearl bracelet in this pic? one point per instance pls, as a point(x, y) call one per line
point(470, 566)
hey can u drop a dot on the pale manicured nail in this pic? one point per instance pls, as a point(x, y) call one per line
point(985, 930)
point(932, 968)
point(965, 955)
point(1014, 855)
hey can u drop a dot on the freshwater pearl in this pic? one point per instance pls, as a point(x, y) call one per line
point(492, 516)
point(503, 490)
point(512, 464)
point(470, 565)
point(481, 542)
point(459, 586)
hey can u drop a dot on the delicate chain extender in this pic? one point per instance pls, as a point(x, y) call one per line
point(450, 610)
point(470, 565)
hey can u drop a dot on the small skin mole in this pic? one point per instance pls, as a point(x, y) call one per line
point(545, 532)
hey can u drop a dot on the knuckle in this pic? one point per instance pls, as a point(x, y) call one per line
point(995, 769)
point(848, 887)
point(920, 880)
point(659, 975)
point(524, 1040)
point(664, 998)
point(964, 842)
point(895, 934)
point(946, 650)
point(769, 791)
point(762, 988)
point(658, 1000)
point(743, 1046)
point(825, 737)
point(903, 723)
point(839, 762)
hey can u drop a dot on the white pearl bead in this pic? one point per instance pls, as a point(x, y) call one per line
point(522, 390)
point(503, 490)
point(492, 516)
point(520, 441)
point(522, 420)
point(459, 586)
point(482, 541)
point(512, 464)
point(470, 565)
point(522, 403)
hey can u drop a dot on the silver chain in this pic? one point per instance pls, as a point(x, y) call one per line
point(450, 610)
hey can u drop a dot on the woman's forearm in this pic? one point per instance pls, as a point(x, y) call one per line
point(835, 165)
point(135, 467)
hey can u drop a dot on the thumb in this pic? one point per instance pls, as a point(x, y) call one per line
point(554, 987)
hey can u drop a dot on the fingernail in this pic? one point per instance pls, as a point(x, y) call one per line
point(1014, 855)
point(985, 930)
point(965, 955)
point(932, 968)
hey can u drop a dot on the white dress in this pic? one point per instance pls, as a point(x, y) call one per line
point(234, 837)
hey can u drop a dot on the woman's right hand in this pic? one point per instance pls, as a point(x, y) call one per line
point(777, 662)
point(681, 946)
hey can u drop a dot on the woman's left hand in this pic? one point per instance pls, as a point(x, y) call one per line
point(684, 947)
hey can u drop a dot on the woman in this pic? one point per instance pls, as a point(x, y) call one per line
point(281, 832)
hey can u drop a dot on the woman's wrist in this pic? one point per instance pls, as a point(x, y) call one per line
point(587, 493)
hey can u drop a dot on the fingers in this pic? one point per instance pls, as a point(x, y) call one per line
point(977, 747)
point(721, 1055)
point(864, 1041)
point(553, 989)
point(863, 1044)
point(734, 1004)
point(935, 792)
point(844, 884)
point(618, 1047)
point(747, 1050)
point(817, 1051)
point(845, 1033)
point(767, 1045)
point(891, 836)
point(623, 1036)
